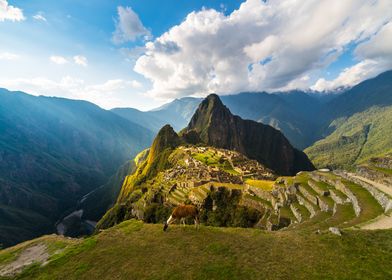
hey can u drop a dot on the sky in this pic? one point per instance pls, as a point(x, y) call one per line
point(142, 54)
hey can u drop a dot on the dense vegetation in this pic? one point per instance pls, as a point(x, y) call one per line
point(354, 139)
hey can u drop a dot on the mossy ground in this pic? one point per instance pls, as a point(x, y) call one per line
point(262, 184)
point(133, 250)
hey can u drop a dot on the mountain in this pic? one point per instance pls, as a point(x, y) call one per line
point(354, 139)
point(53, 151)
point(215, 148)
point(373, 92)
point(357, 125)
point(294, 113)
point(176, 113)
point(320, 214)
point(216, 126)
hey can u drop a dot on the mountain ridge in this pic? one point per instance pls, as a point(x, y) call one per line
point(53, 151)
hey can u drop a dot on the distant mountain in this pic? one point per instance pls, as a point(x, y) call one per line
point(354, 139)
point(176, 113)
point(215, 126)
point(372, 92)
point(296, 114)
point(357, 125)
point(53, 151)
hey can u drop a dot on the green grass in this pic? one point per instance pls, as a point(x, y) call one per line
point(213, 159)
point(354, 139)
point(302, 210)
point(146, 252)
point(370, 208)
point(262, 184)
point(287, 213)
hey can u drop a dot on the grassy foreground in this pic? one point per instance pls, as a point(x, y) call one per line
point(133, 250)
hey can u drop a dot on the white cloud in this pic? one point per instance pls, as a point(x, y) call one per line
point(8, 56)
point(379, 46)
point(40, 17)
point(81, 60)
point(8, 12)
point(129, 26)
point(349, 76)
point(269, 45)
point(104, 94)
point(58, 59)
point(114, 85)
point(375, 55)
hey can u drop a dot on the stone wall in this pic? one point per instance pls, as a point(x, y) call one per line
point(307, 194)
point(296, 213)
point(317, 189)
point(374, 175)
point(341, 187)
point(384, 200)
point(308, 206)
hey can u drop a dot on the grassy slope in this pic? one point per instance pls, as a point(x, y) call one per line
point(133, 250)
point(355, 139)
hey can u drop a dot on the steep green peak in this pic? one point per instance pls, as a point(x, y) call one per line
point(166, 138)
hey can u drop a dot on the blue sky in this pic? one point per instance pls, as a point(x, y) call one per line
point(141, 53)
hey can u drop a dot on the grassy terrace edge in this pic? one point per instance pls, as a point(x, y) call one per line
point(134, 250)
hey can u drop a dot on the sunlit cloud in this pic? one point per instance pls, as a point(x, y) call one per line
point(11, 13)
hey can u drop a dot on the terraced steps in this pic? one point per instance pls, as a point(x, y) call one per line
point(308, 201)
point(379, 191)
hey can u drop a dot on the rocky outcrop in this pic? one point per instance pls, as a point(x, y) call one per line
point(217, 127)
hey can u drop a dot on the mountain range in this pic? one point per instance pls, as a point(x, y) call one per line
point(63, 162)
point(53, 151)
point(303, 117)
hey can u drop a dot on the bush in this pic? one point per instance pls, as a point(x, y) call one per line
point(156, 213)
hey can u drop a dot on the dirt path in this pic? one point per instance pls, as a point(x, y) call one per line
point(381, 187)
point(33, 254)
point(381, 222)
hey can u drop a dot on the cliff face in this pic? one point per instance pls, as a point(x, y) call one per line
point(217, 127)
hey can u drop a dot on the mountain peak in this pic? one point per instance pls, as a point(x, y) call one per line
point(166, 138)
point(214, 99)
point(214, 125)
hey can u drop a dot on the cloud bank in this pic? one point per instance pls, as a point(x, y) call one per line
point(104, 94)
point(8, 12)
point(270, 45)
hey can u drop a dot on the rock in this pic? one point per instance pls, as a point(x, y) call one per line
point(335, 231)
